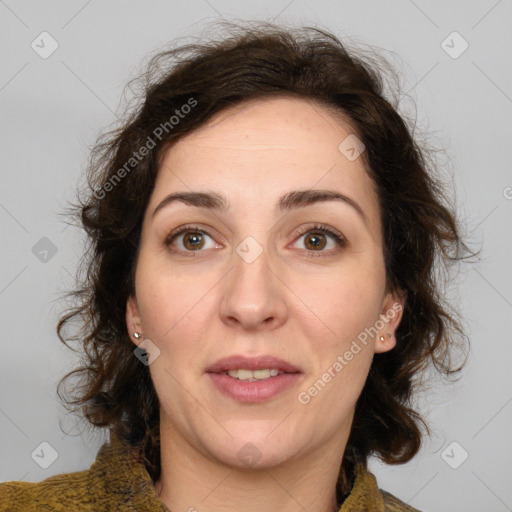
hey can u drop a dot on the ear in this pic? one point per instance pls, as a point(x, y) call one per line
point(133, 322)
point(391, 315)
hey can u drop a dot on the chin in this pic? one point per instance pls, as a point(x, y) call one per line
point(251, 456)
point(253, 451)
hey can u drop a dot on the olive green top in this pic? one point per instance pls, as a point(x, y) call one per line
point(118, 481)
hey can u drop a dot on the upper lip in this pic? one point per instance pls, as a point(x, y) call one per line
point(236, 362)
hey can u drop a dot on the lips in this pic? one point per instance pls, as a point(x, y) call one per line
point(263, 362)
point(253, 390)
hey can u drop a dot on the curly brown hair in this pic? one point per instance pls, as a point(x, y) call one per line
point(192, 82)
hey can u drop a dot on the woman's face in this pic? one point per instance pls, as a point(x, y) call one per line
point(254, 278)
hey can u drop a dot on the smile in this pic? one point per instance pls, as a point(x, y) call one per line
point(253, 375)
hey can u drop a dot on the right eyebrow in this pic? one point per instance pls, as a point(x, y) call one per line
point(208, 200)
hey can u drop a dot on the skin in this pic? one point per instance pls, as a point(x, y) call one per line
point(202, 305)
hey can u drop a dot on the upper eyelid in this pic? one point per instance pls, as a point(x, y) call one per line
point(321, 227)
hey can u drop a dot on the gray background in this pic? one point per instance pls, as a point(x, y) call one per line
point(53, 108)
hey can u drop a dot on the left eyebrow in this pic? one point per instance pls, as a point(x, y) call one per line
point(301, 198)
point(287, 202)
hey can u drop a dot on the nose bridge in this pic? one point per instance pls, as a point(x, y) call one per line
point(253, 297)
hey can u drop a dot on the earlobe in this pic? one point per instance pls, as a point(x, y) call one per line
point(390, 320)
point(385, 342)
point(133, 323)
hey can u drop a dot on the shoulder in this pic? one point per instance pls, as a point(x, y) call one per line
point(56, 493)
point(117, 480)
point(393, 504)
point(367, 495)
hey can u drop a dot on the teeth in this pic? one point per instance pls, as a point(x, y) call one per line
point(255, 375)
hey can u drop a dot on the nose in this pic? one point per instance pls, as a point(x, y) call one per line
point(254, 297)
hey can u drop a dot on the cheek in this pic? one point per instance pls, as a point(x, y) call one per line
point(339, 306)
point(163, 296)
point(174, 307)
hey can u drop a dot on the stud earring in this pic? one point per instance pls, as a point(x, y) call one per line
point(136, 335)
point(381, 338)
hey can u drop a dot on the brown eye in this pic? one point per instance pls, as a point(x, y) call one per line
point(315, 241)
point(188, 239)
point(193, 240)
point(316, 238)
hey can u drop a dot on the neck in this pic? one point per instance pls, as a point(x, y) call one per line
point(193, 481)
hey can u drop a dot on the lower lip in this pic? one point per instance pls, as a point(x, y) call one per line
point(256, 391)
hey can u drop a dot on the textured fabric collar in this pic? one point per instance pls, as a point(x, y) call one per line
point(118, 473)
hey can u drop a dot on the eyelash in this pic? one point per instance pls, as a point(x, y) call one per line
point(340, 240)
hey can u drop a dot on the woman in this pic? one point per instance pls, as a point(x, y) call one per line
point(261, 291)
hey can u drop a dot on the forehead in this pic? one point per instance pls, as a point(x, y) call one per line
point(261, 149)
